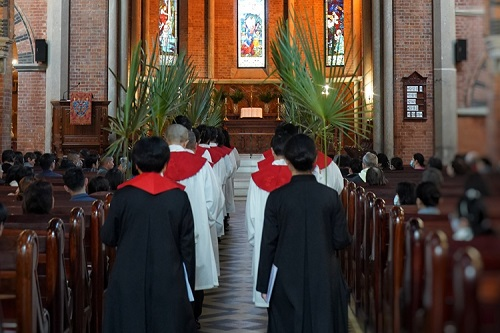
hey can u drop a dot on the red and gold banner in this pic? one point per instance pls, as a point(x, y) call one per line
point(80, 108)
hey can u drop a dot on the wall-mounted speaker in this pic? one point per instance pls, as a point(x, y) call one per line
point(460, 50)
point(41, 50)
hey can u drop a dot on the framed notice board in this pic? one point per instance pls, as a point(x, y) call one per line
point(414, 96)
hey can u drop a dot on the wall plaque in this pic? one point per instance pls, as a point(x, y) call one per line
point(414, 97)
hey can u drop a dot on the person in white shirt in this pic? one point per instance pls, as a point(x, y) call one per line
point(262, 182)
point(207, 200)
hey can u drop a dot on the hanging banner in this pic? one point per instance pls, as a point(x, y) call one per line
point(80, 108)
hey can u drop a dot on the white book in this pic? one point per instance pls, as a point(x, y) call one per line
point(188, 286)
point(272, 278)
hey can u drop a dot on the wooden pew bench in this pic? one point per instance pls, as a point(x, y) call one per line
point(20, 289)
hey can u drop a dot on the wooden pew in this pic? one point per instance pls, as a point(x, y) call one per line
point(19, 285)
point(88, 273)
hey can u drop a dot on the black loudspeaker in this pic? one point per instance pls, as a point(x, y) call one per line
point(460, 50)
point(40, 50)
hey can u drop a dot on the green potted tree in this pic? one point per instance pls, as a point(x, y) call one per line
point(266, 97)
point(316, 97)
point(236, 96)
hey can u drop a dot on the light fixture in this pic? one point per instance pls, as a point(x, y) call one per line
point(14, 62)
point(325, 89)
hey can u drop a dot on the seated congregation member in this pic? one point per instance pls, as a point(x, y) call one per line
point(98, 185)
point(355, 167)
point(471, 218)
point(428, 198)
point(304, 225)
point(151, 224)
point(75, 183)
point(375, 177)
point(48, 163)
point(417, 162)
point(343, 163)
point(106, 164)
point(207, 200)
point(369, 160)
point(115, 177)
point(433, 175)
point(29, 160)
point(23, 185)
point(383, 161)
point(91, 163)
point(263, 182)
point(16, 173)
point(38, 198)
point(396, 164)
point(7, 160)
point(436, 163)
point(405, 194)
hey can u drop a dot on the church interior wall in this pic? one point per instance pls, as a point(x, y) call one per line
point(88, 63)
point(412, 52)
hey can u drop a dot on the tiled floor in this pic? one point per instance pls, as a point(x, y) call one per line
point(229, 308)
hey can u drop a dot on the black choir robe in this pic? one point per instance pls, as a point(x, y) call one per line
point(151, 223)
point(304, 224)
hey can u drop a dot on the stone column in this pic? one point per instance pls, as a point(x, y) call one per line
point(388, 75)
point(211, 39)
point(57, 74)
point(112, 56)
point(6, 39)
point(378, 125)
point(445, 80)
point(493, 45)
point(124, 45)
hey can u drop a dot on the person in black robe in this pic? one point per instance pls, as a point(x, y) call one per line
point(151, 224)
point(304, 225)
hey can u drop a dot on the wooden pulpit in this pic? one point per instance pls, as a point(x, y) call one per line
point(67, 137)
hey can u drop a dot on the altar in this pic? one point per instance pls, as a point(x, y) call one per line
point(251, 112)
point(251, 135)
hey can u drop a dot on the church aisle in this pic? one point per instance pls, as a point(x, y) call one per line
point(229, 308)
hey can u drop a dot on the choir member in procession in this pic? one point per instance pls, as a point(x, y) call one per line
point(262, 182)
point(206, 198)
point(304, 225)
point(151, 223)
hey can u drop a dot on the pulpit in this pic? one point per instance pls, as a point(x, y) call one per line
point(67, 137)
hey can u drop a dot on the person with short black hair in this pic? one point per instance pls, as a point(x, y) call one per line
point(304, 226)
point(75, 183)
point(397, 163)
point(428, 198)
point(7, 160)
point(383, 161)
point(29, 159)
point(405, 194)
point(263, 182)
point(91, 163)
point(151, 224)
point(38, 198)
point(115, 177)
point(98, 184)
point(436, 163)
point(48, 163)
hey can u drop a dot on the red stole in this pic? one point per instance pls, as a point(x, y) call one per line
point(216, 154)
point(152, 182)
point(272, 177)
point(265, 163)
point(320, 161)
point(183, 165)
point(268, 153)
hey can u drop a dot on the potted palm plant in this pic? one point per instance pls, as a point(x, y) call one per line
point(236, 96)
point(266, 97)
point(317, 98)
